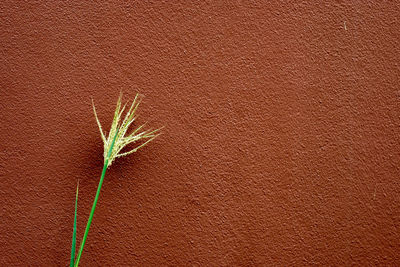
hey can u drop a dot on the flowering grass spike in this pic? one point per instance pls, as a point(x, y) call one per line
point(123, 139)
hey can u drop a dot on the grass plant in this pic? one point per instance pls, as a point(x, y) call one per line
point(114, 143)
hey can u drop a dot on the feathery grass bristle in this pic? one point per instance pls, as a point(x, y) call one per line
point(137, 136)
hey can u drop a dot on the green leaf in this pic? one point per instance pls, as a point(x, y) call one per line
point(74, 232)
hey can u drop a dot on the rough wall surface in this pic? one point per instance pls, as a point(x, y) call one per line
point(281, 143)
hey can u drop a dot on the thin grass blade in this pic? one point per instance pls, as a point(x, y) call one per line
point(73, 248)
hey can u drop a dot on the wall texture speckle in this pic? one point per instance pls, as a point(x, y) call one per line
point(281, 143)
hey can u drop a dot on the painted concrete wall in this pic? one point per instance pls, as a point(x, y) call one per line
point(281, 143)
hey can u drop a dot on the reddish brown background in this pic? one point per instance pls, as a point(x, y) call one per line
point(281, 140)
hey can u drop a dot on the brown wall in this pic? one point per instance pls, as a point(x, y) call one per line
point(281, 141)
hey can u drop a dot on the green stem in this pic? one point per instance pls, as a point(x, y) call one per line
point(95, 202)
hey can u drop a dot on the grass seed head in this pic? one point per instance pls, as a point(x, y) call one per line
point(120, 128)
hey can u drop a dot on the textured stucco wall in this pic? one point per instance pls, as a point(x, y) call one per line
point(281, 143)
